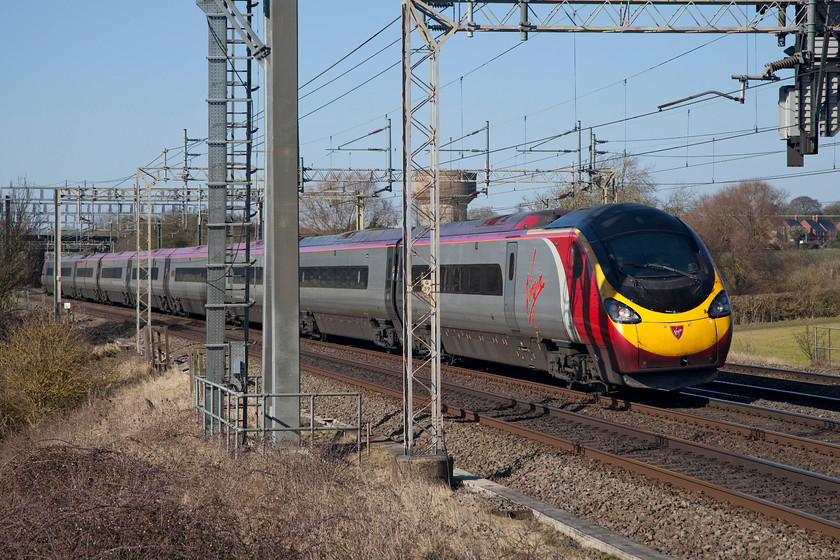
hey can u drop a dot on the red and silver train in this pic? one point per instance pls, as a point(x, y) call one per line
point(619, 294)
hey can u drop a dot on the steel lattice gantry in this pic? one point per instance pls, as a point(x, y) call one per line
point(809, 108)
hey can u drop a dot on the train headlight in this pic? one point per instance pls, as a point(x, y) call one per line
point(720, 306)
point(621, 313)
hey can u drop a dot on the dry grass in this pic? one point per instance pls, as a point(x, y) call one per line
point(131, 476)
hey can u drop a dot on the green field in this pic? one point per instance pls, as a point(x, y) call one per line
point(775, 343)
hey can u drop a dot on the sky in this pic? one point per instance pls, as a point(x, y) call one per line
point(93, 90)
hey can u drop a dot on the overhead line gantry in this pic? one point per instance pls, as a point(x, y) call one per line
point(809, 108)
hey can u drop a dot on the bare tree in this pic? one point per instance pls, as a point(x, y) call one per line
point(480, 212)
point(679, 201)
point(333, 207)
point(833, 212)
point(21, 253)
point(738, 225)
point(804, 207)
point(631, 181)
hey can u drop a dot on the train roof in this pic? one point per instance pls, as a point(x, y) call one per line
point(607, 220)
point(496, 224)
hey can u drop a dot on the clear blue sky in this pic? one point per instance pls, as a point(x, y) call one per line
point(93, 90)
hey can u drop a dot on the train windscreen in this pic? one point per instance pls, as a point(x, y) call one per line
point(654, 254)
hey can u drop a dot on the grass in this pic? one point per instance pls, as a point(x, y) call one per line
point(775, 343)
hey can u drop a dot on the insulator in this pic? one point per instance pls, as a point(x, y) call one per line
point(440, 5)
point(789, 62)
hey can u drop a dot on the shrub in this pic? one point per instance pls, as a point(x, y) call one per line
point(805, 340)
point(43, 370)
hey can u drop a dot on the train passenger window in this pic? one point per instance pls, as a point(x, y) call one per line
point(473, 279)
point(456, 285)
point(66, 271)
point(493, 280)
point(86, 272)
point(363, 277)
point(510, 266)
point(577, 261)
point(49, 271)
point(342, 274)
point(188, 274)
point(480, 279)
point(238, 275)
point(143, 274)
point(112, 272)
point(342, 277)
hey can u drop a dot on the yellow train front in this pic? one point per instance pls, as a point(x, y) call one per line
point(645, 297)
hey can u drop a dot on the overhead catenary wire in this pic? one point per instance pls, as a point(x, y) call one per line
point(349, 54)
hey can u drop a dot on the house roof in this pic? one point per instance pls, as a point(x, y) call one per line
point(820, 224)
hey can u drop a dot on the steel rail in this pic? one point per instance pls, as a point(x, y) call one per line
point(785, 513)
point(743, 390)
point(781, 373)
point(751, 432)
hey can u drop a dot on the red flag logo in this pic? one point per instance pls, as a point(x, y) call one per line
point(678, 331)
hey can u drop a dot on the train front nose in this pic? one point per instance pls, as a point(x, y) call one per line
point(678, 344)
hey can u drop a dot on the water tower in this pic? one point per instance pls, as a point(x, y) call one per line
point(457, 190)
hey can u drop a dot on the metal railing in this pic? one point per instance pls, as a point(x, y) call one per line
point(822, 344)
point(240, 417)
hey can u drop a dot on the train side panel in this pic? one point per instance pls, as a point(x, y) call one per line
point(342, 290)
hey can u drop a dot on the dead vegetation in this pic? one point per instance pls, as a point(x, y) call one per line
point(118, 477)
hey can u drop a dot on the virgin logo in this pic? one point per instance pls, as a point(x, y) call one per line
point(533, 289)
point(678, 331)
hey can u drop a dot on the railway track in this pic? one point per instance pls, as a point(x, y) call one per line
point(796, 495)
point(780, 373)
point(801, 497)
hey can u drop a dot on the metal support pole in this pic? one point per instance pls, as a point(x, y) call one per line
point(421, 332)
point(360, 211)
point(281, 301)
point(390, 163)
point(57, 251)
point(486, 158)
point(578, 180)
point(217, 191)
point(407, 223)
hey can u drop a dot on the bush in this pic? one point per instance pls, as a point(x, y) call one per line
point(766, 308)
point(44, 368)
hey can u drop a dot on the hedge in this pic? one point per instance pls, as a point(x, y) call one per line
point(766, 308)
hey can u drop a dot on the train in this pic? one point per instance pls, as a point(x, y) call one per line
point(615, 295)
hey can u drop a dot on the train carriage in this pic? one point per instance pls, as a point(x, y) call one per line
point(113, 278)
point(619, 295)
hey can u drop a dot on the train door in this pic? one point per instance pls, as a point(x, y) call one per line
point(167, 264)
point(575, 279)
point(397, 285)
point(510, 287)
point(97, 278)
point(127, 300)
point(392, 303)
